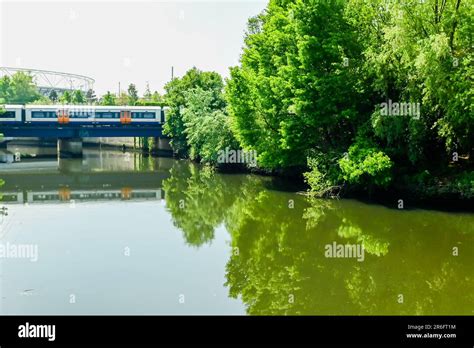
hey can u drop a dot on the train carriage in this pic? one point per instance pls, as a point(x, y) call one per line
point(11, 113)
point(91, 114)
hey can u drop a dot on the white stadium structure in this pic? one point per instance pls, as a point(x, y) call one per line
point(53, 80)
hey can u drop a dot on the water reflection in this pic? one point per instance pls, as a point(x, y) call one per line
point(417, 262)
point(99, 176)
point(248, 246)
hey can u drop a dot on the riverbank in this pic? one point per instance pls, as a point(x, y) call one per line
point(453, 193)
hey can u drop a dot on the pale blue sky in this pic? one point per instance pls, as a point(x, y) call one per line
point(126, 41)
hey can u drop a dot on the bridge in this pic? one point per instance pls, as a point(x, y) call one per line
point(70, 124)
point(80, 131)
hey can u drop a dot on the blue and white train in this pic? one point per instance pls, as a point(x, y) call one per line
point(82, 114)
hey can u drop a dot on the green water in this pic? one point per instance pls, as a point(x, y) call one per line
point(121, 233)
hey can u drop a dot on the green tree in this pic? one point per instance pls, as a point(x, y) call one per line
point(21, 89)
point(53, 95)
point(176, 99)
point(290, 94)
point(123, 99)
point(66, 97)
point(157, 98)
point(132, 94)
point(108, 99)
point(5, 88)
point(207, 129)
point(78, 97)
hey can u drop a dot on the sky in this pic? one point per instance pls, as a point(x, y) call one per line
point(124, 41)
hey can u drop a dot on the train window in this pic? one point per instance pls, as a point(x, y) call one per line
point(137, 115)
point(143, 115)
point(43, 114)
point(7, 114)
point(80, 114)
point(38, 114)
point(108, 115)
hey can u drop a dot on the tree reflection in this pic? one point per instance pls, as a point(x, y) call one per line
point(278, 266)
point(198, 200)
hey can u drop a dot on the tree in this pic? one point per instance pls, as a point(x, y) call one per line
point(207, 129)
point(53, 95)
point(157, 98)
point(123, 99)
point(66, 97)
point(108, 99)
point(314, 76)
point(78, 97)
point(5, 88)
point(175, 98)
point(423, 55)
point(132, 94)
point(21, 89)
point(290, 93)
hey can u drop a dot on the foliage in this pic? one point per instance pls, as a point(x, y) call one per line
point(18, 89)
point(66, 98)
point(366, 164)
point(108, 99)
point(176, 99)
point(324, 173)
point(207, 129)
point(123, 99)
point(290, 94)
point(78, 97)
point(132, 94)
point(313, 77)
point(53, 95)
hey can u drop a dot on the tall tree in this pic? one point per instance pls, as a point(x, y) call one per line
point(66, 97)
point(291, 93)
point(78, 97)
point(132, 94)
point(176, 99)
point(53, 95)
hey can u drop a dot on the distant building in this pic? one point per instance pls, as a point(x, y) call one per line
point(48, 81)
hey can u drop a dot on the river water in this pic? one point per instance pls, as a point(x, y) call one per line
point(123, 233)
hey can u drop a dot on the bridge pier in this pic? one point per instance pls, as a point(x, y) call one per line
point(70, 147)
point(162, 147)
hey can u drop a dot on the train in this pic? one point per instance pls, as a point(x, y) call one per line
point(82, 114)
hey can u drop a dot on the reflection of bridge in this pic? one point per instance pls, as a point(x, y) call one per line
point(71, 184)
